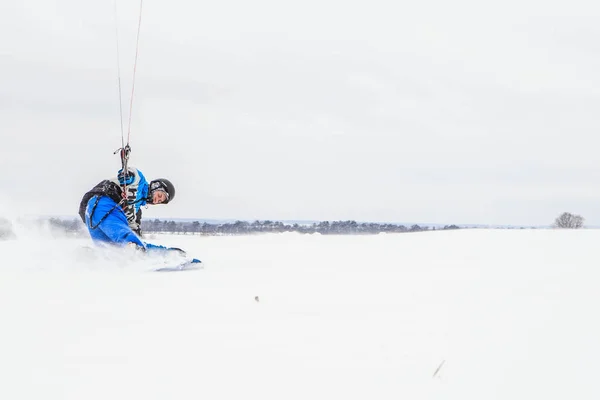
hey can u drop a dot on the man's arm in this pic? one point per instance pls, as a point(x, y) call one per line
point(133, 179)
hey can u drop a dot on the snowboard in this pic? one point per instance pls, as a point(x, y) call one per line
point(187, 265)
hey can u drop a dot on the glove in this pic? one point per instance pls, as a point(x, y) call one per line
point(135, 247)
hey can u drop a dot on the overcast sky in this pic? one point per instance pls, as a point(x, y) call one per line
point(429, 111)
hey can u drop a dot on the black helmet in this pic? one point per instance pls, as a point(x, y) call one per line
point(165, 185)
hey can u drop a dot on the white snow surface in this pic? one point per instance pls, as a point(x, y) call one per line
point(467, 314)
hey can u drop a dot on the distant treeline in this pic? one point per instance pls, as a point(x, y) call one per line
point(245, 228)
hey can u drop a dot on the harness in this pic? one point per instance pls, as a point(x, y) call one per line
point(93, 227)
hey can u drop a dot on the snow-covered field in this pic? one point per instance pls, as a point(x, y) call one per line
point(499, 314)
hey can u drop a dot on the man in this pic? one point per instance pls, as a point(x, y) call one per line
point(111, 210)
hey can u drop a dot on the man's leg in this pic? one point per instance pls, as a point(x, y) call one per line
point(109, 222)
